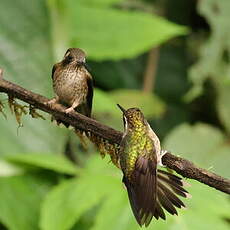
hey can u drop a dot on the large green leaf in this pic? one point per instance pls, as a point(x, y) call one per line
point(202, 144)
point(20, 198)
point(107, 33)
point(26, 57)
point(57, 163)
point(121, 35)
point(66, 203)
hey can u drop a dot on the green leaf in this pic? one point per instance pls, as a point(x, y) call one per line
point(66, 203)
point(20, 200)
point(201, 144)
point(52, 162)
point(124, 34)
point(26, 57)
point(115, 210)
point(127, 34)
point(206, 204)
point(150, 104)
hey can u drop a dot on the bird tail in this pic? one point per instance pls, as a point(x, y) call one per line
point(152, 191)
point(169, 187)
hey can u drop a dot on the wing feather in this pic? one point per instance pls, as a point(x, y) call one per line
point(142, 190)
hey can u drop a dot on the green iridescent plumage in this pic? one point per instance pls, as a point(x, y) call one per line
point(135, 143)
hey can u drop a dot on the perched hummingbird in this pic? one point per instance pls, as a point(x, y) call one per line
point(72, 82)
point(150, 190)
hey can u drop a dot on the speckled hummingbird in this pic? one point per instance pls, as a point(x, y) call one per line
point(72, 82)
point(150, 190)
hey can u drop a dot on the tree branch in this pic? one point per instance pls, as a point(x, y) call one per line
point(180, 165)
point(189, 170)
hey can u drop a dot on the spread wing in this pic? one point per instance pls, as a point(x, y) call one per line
point(169, 187)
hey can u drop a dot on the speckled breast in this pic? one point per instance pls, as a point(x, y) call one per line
point(70, 85)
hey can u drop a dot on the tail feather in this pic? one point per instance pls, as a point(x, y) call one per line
point(159, 211)
point(170, 175)
point(148, 219)
point(179, 191)
point(168, 187)
point(165, 202)
point(174, 183)
point(171, 196)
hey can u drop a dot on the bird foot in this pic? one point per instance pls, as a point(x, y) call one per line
point(69, 110)
point(52, 101)
point(162, 153)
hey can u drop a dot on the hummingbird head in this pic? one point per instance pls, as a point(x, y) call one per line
point(74, 55)
point(133, 117)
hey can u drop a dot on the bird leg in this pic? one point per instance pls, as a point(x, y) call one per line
point(71, 109)
point(53, 101)
point(159, 158)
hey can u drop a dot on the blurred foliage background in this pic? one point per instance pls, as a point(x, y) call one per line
point(170, 58)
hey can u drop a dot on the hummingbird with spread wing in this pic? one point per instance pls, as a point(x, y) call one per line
point(150, 190)
point(72, 82)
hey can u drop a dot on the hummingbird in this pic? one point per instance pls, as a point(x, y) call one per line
point(150, 190)
point(72, 83)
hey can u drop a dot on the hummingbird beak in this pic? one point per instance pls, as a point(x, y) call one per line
point(121, 108)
